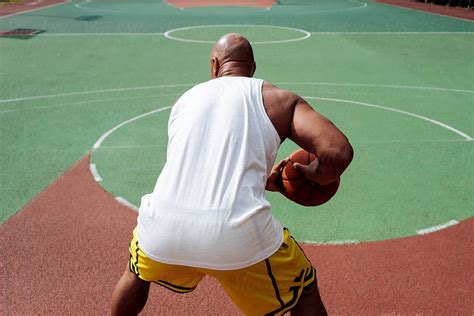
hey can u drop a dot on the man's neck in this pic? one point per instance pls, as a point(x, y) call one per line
point(233, 69)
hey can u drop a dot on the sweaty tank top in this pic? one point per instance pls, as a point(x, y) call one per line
point(208, 208)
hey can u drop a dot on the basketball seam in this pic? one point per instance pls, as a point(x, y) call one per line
point(302, 187)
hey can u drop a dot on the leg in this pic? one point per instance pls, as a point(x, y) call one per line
point(310, 302)
point(130, 294)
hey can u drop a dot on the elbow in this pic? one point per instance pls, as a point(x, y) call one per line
point(342, 156)
point(346, 155)
point(334, 161)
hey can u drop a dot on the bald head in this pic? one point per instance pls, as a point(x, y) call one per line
point(232, 55)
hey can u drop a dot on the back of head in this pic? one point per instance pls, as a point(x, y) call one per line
point(232, 55)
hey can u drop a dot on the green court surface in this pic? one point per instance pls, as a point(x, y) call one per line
point(397, 82)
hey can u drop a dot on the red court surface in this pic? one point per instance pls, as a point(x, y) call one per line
point(456, 12)
point(63, 253)
point(28, 5)
point(184, 4)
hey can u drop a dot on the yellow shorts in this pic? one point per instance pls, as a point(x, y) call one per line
point(270, 287)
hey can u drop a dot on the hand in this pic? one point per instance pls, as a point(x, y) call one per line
point(274, 181)
point(311, 171)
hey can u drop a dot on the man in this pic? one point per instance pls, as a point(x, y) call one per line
point(208, 214)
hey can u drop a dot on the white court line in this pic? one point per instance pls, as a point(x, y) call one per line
point(375, 86)
point(81, 6)
point(35, 9)
point(363, 5)
point(337, 242)
point(113, 129)
point(360, 5)
point(392, 33)
point(35, 2)
point(312, 33)
point(100, 34)
point(123, 201)
point(421, 117)
point(67, 94)
point(416, 141)
point(333, 242)
point(95, 173)
point(107, 134)
point(132, 146)
point(87, 102)
point(437, 227)
point(168, 33)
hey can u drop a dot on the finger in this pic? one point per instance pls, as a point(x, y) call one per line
point(274, 178)
point(282, 163)
point(278, 168)
point(274, 174)
point(299, 167)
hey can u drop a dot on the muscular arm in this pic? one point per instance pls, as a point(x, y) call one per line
point(295, 119)
point(315, 133)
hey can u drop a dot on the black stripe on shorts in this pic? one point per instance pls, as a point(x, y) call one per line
point(175, 288)
point(274, 282)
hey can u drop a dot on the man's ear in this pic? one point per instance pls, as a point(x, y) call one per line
point(214, 67)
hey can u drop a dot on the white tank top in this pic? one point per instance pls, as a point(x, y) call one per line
point(208, 208)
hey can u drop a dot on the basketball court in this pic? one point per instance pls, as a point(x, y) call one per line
point(87, 88)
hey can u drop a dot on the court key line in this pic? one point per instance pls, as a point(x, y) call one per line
point(67, 94)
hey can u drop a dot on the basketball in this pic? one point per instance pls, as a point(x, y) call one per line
point(301, 190)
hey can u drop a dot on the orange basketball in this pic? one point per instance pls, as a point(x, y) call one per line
point(301, 190)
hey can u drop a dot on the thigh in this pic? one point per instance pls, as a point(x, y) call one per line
point(272, 286)
point(180, 279)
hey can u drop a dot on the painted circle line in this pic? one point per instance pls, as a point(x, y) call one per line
point(466, 137)
point(168, 33)
point(70, 94)
point(113, 129)
point(98, 143)
point(421, 117)
point(67, 94)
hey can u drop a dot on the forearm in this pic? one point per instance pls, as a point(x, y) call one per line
point(318, 135)
point(332, 160)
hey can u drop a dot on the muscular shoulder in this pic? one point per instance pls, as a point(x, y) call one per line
point(279, 104)
point(282, 96)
